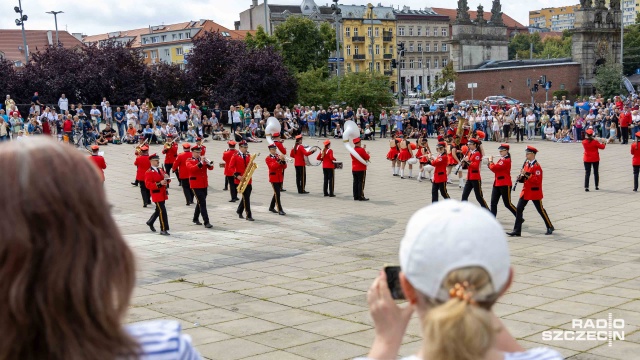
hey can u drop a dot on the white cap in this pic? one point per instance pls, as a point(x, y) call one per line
point(451, 235)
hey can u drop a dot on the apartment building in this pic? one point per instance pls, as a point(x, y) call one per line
point(554, 19)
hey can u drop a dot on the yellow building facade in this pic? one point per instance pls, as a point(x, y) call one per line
point(368, 39)
point(555, 19)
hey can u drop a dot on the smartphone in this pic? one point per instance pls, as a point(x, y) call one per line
point(393, 281)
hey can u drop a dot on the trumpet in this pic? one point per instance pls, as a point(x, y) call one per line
point(207, 161)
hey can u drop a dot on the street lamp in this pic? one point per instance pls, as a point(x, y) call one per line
point(372, 42)
point(55, 17)
point(336, 13)
point(20, 22)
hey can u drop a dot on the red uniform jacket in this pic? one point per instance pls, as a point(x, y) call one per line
point(532, 189)
point(170, 154)
point(298, 153)
point(327, 161)
point(152, 180)
point(100, 163)
point(226, 157)
point(180, 165)
point(204, 150)
point(625, 119)
point(356, 165)
point(440, 172)
point(635, 151)
point(239, 165)
point(276, 169)
point(280, 146)
point(143, 164)
point(475, 159)
point(502, 169)
point(591, 150)
point(198, 178)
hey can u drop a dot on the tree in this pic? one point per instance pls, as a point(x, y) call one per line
point(314, 87)
point(609, 79)
point(554, 47)
point(165, 82)
point(304, 45)
point(8, 77)
point(520, 45)
point(447, 77)
point(372, 90)
point(631, 47)
point(261, 39)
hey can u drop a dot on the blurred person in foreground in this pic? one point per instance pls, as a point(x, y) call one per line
point(453, 272)
point(66, 279)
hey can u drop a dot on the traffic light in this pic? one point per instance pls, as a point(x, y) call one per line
point(535, 87)
point(394, 64)
point(549, 84)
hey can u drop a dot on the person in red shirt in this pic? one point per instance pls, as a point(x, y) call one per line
point(276, 164)
point(423, 155)
point(328, 168)
point(199, 143)
point(283, 150)
point(359, 171)
point(531, 177)
point(502, 183)
point(298, 153)
point(143, 164)
point(392, 156)
point(591, 158)
point(474, 180)
point(156, 180)
point(238, 165)
point(182, 172)
point(67, 127)
point(228, 174)
point(440, 163)
point(98, 160)
point(199, 181)
point(625, 122)
point(170, 152)
point(635, 161)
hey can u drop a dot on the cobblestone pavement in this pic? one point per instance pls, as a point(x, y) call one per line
point(294, 286)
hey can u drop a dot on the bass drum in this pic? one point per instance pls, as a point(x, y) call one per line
point(312, 160)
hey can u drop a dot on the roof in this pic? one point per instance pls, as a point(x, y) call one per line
point(452, 13)
point(503, 64)
point(427, 14)
point(11, 42)
point(359, 11)
point(295, 9)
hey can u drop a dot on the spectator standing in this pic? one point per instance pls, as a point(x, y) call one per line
point(120, 121)
point(4, 130)
point(107, 113)
point(36, 101)
point(531, 125)
point(63, 103)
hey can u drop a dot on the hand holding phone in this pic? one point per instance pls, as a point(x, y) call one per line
point(393, 282)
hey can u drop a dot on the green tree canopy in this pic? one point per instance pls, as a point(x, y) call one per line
point(520, 45)
point(631, 49)
point(373, 91)
point(315, 88)
point(261, 39)
point(609, 79)
point(304, 45)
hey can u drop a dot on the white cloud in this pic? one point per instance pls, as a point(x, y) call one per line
point(94, 17)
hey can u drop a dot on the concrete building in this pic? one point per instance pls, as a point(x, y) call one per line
point(555, 19)
point(275, 15)
point(368, 38)
point(424, 34)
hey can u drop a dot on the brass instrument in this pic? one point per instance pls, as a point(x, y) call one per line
point(207, 161)
point(460, 131)
point(222, 165)
point(168, 144)
point(138, 150)
point(248, 173)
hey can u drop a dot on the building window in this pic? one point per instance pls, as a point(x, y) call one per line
point(419, 63)
point(174, 36)
point(444, 62)
point(427, 31)
point(410, 31)
point(369, 31)
point(444, 47)
point(167, 52)
point(427, 63)
point(427, 47)
point(348, 67)
point(370, 50)
point(390, 49)
point(355, 32)
point(348, 50)
point(403, 64)
point(400, 31)
point(444, 32)
point(155, 39)
point(357, 67)
point(435, 47)
point(154, 54)
point(419, 46)
point(179, 51)
point(377, 49)
point(164, 38)
point(377, 32)
point(188, 35)
point(146, 55)
point(378, 67)
point(411, 64)
point(411, 47)
point(347, 32)
point(435, 63)
point(419, 31)
point(180, 36)
point(356, 50)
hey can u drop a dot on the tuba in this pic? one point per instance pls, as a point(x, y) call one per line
point(273, 126)
point(248, 173)
point(351, 132)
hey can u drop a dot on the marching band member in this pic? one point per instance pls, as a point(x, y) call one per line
point(474, 180)
point(238, 165)
point(635, 161)
point(591, 158)
point(328, 168)
point(283, 150)
point(155, 180)
point(406, 153)
point(142, 163)
point(199, 181)
point(98, 160)
point(170, 154)
point(392, 156)
point(228, 173)
point(424, 157)
point(359, 171)
point(276, 164)
point(298, 153)
point(138, 152)
point(199, 143)
point(502, 183)
point(182, 171)
point(531, 177)
point(440, 163)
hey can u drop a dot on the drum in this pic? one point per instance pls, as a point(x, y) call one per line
point(222, 165)
point(412, 161)
point(338, 164)
point(312, 160)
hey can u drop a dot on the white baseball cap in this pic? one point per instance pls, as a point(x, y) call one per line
point(450, 235)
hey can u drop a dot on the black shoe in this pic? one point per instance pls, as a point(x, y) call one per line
point(332, 195)
point(282, 213)
point(273, 210)
point(134, 184)
point(151, 227)
point(635, 190)
point(145, 205)
point(197, 222)
point(597, 188)
point(189, 203)
point(304, 192)
point(283, 190)
point(225, 189)
point(356, 199)
point(208, 226)
point(513, 233)
point(240, 215)
point(364, 199)
point(549, 231)
point(164, 233)
point(250, 218)
point(586, 189)
point(326, 194)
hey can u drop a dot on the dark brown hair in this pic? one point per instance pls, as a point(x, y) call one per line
point(66, 273)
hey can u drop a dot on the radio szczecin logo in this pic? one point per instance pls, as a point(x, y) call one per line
point(608, 330)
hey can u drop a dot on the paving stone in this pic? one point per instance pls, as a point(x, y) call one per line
point(245, 327)
point(233, 349)
point(332, 327)
point(285, 338)
point(329, 349)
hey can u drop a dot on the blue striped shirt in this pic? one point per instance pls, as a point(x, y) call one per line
point(162, 340)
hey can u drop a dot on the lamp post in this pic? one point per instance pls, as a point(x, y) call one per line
point(372, 42)
point(55, 17)
point(20, 22)
point(336, 13)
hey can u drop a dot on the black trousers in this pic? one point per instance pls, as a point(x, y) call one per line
point(161, 212)
point(519, 133)
point(201, 207)
point(329, 178)
point(636, 171)
point(245, 204)
point(184, 126)
point(275, 199)
point(226, 183)
point(625, 134)
point(442, 188)
point(476, 186)
point(587, 173)
point(359, 179)
point(323, 127)
point(503, 192)
point(146, 194)
point(186, 189)
point(522, 203)
point(301, 178)
point(233, 187)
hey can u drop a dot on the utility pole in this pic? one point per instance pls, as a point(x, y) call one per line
point(372, 41)
point(336, 13)
point(622, 42)
point(266, 19)
point(423, 64)
point(20, 22)
point(55, 17)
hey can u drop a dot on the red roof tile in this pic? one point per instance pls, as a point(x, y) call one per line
point(452, 13)
point(11, 42)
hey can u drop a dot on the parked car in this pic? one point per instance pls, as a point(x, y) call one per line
point(499, 104)
point(413, 94)
point(422, 103)
point(474, 103)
